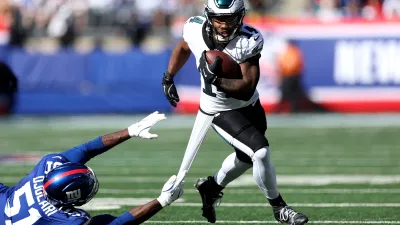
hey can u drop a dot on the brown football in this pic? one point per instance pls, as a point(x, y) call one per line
point(230, 68)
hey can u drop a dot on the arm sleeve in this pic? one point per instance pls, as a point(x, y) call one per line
point(185, 32)
point(84, 152)
point(112, 220)
point(3, 188)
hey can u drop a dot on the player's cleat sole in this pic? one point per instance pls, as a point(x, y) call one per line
point(287, 215)
point(209, 197)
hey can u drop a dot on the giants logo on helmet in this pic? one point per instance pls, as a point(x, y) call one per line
point(74, 195)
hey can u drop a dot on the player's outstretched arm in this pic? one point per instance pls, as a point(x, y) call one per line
point(86, 151)
point(172, 190)
point(179, 57)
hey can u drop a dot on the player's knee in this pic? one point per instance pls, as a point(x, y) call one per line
point(252, 138)
point(261, 154)
point(243, 157)
point(258, 141)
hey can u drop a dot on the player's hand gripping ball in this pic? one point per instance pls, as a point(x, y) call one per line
point(209, 71)
point(225, 66)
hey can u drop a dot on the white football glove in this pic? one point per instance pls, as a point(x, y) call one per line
point(141, 128)
point(172, 190)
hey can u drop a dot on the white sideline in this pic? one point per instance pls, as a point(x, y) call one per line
point(274, 222)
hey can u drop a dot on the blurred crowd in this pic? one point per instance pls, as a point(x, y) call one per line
point(339, 9)
point(135, 20)
point(68, 19)
point(65, 19)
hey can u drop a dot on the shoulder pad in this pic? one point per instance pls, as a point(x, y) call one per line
point(254, 41)
point(255, 38)
point(196, 19)
point(191, 25)
point(55, 157)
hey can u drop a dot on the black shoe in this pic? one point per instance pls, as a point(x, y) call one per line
point(287, 215)
point(209, 197)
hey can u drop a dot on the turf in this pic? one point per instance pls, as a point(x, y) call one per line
point(138, 169)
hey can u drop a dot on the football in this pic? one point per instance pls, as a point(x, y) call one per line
point(230, 68)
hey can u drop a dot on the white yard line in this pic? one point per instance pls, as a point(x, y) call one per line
point(283, 190)
point(116, 203)
point(248, 180)
point(316, 180)
point(309, 205)
point(186, 121)
point(274, 222)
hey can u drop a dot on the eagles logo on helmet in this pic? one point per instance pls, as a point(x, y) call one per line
point(233, 12)
point(71, 184)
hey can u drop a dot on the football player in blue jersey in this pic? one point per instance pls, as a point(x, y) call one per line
point(49, 194)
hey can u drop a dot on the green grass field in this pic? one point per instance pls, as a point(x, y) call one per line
point(334, 174)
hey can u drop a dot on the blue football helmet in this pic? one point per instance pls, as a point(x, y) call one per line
point(71, 184)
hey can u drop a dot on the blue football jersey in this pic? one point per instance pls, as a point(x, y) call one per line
point(24, 203)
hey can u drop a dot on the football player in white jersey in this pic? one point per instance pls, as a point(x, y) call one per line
point(232, 105)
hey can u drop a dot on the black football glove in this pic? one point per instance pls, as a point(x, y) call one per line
point(170, 89)
point(209, 71)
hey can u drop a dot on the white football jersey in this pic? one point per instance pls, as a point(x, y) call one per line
point(247, 44)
